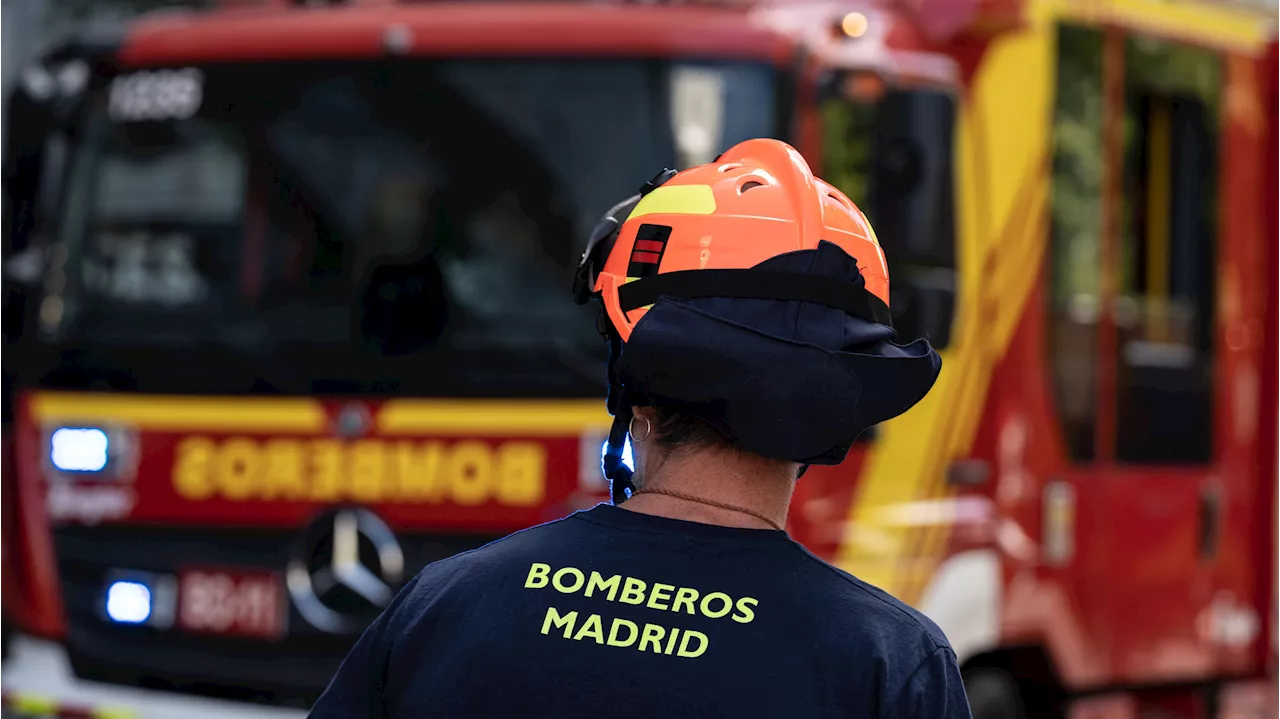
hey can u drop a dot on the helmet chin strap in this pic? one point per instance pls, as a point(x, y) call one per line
point(619, 474)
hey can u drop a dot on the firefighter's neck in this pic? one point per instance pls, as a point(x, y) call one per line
point(713, 486)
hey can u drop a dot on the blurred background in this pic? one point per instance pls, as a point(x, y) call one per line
point(287, 316)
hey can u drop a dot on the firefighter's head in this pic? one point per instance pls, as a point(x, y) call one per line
point(748, 297)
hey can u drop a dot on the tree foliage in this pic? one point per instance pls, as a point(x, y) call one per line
point(1077, 164)
point(1152, 67)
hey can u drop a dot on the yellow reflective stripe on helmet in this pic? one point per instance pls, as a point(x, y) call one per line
point(676, 200)
point(871, 231)
point(871, 234)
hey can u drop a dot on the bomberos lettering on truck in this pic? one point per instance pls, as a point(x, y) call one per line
point(466, 472)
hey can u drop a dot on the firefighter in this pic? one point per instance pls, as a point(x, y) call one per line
point(746, 307)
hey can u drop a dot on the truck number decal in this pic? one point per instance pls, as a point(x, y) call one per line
point(156, 95)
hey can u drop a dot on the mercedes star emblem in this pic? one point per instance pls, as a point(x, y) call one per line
point(353, 421)
point(346, 568)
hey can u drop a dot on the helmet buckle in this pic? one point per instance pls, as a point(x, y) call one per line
point(657, 181)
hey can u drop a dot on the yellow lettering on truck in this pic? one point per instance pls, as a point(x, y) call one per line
point(469, 473)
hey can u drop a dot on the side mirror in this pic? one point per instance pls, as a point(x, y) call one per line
point(859, 86)
point(923, 302)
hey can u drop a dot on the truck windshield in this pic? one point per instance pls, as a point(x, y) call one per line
point(395, 227)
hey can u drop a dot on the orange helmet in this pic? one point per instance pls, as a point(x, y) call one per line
point(755, 296)
point(757, 201)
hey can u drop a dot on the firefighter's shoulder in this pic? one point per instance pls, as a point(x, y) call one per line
point(869, 619)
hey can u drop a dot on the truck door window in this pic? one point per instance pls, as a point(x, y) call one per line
point(1168, 255)
point(1074, 300)
point(892, 156)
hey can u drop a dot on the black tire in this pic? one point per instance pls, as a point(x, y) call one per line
point(993, 694)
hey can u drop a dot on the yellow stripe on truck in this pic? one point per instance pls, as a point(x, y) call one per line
point(492, 418)
point(31, 705)
point(179, 413)
point(113, 713)
point(1226, 26)
point(462, 418)
point(1002, 141)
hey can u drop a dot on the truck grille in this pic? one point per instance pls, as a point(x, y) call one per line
point(293, 670)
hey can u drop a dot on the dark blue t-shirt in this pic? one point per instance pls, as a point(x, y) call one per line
point(616, 612)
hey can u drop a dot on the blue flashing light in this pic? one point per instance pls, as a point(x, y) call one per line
point(78, 450)
point(627, 459)
point(128, 602)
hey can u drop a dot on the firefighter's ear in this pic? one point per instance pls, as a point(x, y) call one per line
point(643, 420)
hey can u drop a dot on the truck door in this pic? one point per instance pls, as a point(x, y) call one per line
point(1162, 390)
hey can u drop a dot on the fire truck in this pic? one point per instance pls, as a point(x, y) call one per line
point(288, 319)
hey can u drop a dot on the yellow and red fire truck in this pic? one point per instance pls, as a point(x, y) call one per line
point(258, 384)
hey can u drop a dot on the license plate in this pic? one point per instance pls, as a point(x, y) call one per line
point(232, 602)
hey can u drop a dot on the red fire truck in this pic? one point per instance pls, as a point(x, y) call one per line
point(258, 385)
